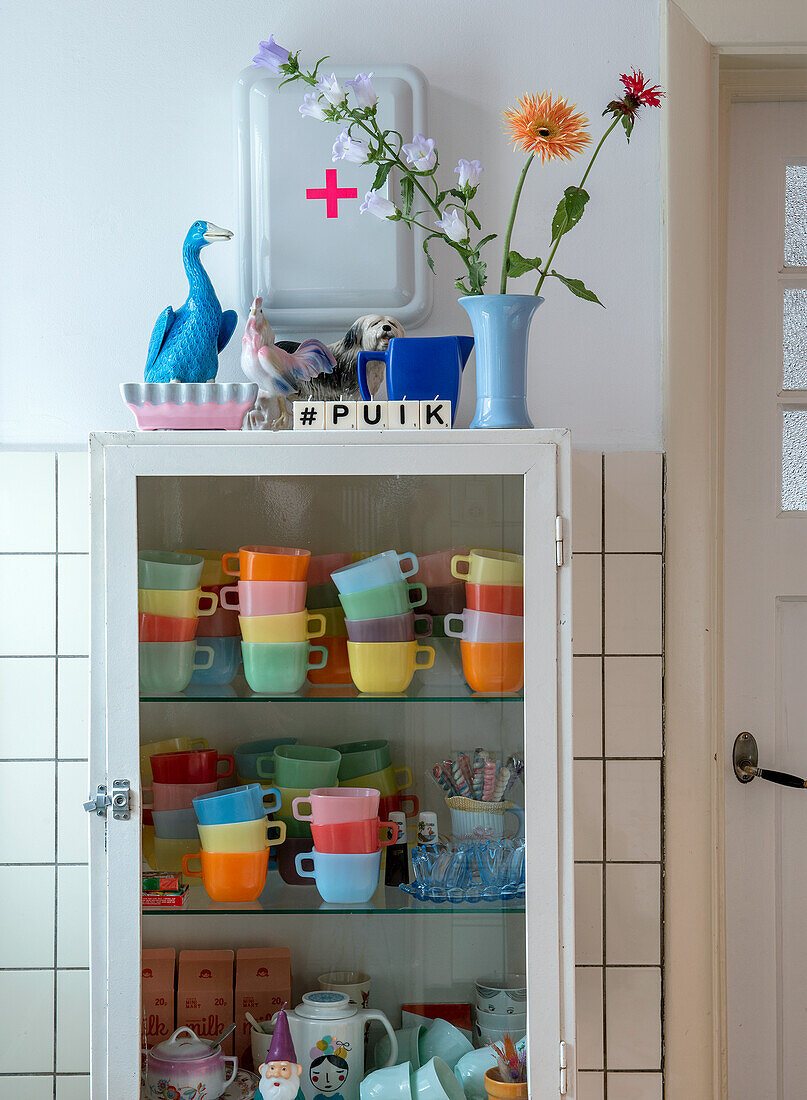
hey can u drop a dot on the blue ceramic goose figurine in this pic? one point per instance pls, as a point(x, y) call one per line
point(185, 345)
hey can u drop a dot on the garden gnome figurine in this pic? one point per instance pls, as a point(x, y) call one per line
point(280, 1073)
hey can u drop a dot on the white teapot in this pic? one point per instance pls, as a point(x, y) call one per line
point(328, 1036)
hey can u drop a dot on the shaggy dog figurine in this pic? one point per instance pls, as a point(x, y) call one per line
point(369, 333)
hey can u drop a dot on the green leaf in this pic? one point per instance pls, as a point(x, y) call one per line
point(627, 123)
point(578, 288)
point(407, 193)
point(426, 250)
point(569, 212)
point(460, 285)
point(520, 265)
point(384, 170)
point(440, 197)
point(455, 191)
point(477, 276)
point(473, 218)
point(486, 240)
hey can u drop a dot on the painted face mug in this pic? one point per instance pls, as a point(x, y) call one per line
point(354, 983)
point(489, 567)
point(374, 572)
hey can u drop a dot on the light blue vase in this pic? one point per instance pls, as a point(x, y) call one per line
point(501, 324)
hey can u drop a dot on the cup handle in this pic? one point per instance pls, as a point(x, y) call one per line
point(276, 796)
point(234, 1070)
point(428, 620)
point(225, 558)
point(413, 798)
point(455, 566)
point(281, 832)
point(413, 559)
point(315, 631)
point(186, 861)
point(301, 802)
point(372, 1014)
point(392, 830)
point(229, 761)
point(298, 864)
point(518, 814)
point(318, 649)
point(203, 612)
point(452, 632)
point(210, 657)
point(417, 587)
point(403, 777)
point(200, 743)
point(224, 600)
point(430, 655)
point(143, 804)
point(260, 765)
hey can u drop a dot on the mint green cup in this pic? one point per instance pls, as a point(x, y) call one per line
point(169, 572)
point(167, 667)
point(301, 766)
point(362, 758)
point(280, 668)
point(388, 599)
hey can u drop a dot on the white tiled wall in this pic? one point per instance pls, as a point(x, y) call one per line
point(618, 750)
point(44, 1013)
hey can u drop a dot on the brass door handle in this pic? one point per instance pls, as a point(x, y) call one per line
point(745, 758)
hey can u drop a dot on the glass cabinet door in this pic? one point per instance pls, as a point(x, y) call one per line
point(452, 936)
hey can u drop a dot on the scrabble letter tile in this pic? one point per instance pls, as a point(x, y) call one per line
point(309, 414)
point(435, 414)
point(403, 414)
point(340, 415)
point(371, 415)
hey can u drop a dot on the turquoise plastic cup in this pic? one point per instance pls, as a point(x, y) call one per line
point(167, 571)
point(280, 668)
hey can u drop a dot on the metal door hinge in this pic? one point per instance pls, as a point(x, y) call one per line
point(563, 1069)
point(559, 540)
point(119, 800)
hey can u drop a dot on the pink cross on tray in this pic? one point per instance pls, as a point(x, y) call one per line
point(332, 193)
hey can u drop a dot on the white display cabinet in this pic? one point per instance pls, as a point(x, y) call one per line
point(335, 491)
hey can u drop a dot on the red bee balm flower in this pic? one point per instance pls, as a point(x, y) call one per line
point(638, 89)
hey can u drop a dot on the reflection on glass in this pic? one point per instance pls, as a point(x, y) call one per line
point(794, 459)
point(796, 215)
point(794, 339)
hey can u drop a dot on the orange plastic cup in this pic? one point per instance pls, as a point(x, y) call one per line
point(230, 876)
point(493, 666)
point(267, 563)
point(337, 668)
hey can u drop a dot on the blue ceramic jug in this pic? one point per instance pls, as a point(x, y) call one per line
point(420, 368)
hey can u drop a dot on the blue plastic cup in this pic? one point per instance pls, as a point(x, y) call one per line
point(380, 569)
point(226, 659)
point(347, 879)
point(247, 803)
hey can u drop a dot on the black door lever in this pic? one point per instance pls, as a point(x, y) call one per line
point(745, 758)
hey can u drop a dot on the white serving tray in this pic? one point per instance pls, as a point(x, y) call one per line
point(316, 274)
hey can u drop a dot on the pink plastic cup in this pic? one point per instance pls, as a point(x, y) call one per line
point(174, 796)
point(336, 805)
point(435, 569)
point(322, 565)
point(484, 626)
point(264, 597)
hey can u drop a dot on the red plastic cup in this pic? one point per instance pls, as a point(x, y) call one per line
point(191, 766)
point(399, 804)
point(501, 599)
point(352, 837)
point(165, 628)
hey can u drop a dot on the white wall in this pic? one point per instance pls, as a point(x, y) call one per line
point(747, 22)
point(119, 135)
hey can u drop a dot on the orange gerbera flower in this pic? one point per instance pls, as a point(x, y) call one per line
point(548, 126)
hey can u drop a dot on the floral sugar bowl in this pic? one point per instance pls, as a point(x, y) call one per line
point(186, 1067)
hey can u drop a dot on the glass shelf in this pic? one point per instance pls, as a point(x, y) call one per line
point(278, 898)
point(238, 691)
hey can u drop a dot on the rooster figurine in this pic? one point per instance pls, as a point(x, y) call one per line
point(278, 373)
point(185, 345)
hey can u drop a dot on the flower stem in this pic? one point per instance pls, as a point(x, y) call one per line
point(551, 256)
point(511, 222)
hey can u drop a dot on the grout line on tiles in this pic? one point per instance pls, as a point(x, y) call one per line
point(60, 656)
point(662, 782)
point(605, 654)
point(56, 788)
point(52, 759)
point(603, 646)
point(618, 759)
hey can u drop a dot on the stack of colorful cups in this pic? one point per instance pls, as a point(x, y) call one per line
point(170, 602)
point(170, 744)
point(346, 858)
point(445, 594)
point(369, 764)
point(275, 627)
point(293, 770)
point(378, 603)
point(235, 834)
point(178, 778)
point(492, 624)
point(323, 596)
point(220, 630)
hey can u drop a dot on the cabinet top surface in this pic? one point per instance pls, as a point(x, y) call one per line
point(456, 437)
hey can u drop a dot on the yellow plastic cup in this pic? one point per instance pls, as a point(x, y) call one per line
point(388, 781)
point(488, 567)
point(384, 668)
point(177, 605)
point(242, 836)
point(297, 627)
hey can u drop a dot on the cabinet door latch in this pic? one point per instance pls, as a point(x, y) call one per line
point(563, 1069)
point(559, 541)
point(119, 800)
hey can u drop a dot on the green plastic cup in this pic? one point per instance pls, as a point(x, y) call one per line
point(387, 599)
point(169, 572)
point(362, 758)
point(301, 766)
